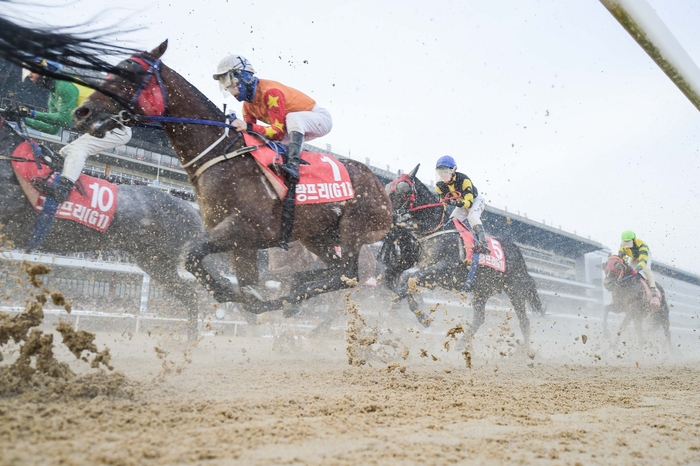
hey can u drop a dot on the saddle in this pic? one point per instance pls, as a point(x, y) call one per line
point(92, 204)
point(652, 298)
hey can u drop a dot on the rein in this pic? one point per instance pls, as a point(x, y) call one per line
point(139, 100)
point(414, 208)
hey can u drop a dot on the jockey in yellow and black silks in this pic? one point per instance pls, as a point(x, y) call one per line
point(463, 195)
point(637, 254)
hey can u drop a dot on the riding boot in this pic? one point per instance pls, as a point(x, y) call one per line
point(481, 236)
point(58, 191)
point(287, 217)
point(655, 297)
point(291, 168)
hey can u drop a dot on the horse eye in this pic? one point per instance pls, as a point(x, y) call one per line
point(81, 112)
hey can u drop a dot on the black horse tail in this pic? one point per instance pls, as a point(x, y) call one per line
point(400, 251)
point(524, 280)
point(82, 51)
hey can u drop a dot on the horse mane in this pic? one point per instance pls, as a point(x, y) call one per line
point(210, 105)
point(81, 51)
point(423, 191)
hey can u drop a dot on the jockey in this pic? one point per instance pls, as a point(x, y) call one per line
point(463, 195)
point(293, 116)
point(64, 97)
point(636, 252)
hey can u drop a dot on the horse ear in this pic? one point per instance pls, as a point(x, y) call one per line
point(160, 50)
point(413, 172)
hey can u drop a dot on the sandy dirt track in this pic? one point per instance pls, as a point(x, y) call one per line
point(280, 395)
point(243, 401)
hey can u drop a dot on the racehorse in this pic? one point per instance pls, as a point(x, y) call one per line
point(149, 225)
point(436, 247)
point(631, 294)
point(241, 212)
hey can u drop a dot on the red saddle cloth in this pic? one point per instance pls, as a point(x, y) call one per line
point(496, 260)
point(96, 210)
point(325, 179)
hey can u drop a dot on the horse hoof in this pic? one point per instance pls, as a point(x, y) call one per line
point(291, 311)
point(425, 320)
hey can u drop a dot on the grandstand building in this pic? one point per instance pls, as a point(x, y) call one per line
point(566, 267)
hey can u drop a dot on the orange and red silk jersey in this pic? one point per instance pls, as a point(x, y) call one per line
point(271, 104)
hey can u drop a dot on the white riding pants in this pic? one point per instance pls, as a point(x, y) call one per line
point(314, 124)
point(473, 214)
point(78, 151)
point(648, 274)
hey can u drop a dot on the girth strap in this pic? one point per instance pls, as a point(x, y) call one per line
point(222, 158)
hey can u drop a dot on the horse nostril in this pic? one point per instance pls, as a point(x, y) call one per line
point(82, 112)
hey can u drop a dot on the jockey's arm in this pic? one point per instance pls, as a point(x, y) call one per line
point(63, 100)
point(643, 254)
point(467, 194)
point(275, 106)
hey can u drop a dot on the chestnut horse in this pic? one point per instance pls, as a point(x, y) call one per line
point(240, 210)
point(629, 295)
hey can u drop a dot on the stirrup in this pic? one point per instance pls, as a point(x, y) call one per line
point(291, 172)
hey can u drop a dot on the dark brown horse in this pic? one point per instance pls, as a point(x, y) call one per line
point(240, 210)
point(629, 295)
point(434, 246)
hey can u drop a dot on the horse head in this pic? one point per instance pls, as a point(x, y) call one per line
point(402, 194)
point(615, 270)
point(410, 198)
point(137, 89)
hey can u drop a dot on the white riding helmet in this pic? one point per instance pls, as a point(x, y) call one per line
point(229, 69)
point(231, 63)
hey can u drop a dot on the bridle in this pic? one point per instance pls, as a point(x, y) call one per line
point(616, 266)
point(409, 206)
point(149, 103)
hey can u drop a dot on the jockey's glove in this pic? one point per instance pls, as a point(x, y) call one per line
point(13, 113)
point(456, 202)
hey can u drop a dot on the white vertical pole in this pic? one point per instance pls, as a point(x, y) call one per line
point(144, 293)
point(645, 26)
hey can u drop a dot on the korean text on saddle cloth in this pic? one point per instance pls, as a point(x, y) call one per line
point(95, 210)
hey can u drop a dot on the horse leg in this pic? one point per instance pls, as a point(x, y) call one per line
point(479, 305)
point(164, 273)
point(606, 312)
point(520, 311)
point(438, 274)
point(216, 240)
point(623, 325)
point(245, 266)
point(638, 324)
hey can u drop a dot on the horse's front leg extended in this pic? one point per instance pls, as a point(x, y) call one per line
point(638, 328)
point(217, 240)
point(623, 325)
point(438, 274)
point(606, 312)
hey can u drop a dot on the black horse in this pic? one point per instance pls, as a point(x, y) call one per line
point(149, 225)
point(436, 247)
point(631, 296)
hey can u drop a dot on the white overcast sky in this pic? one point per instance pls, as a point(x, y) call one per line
point(548, 105)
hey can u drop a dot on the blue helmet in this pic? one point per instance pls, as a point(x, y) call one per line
point(446, 161)
point(50, 65)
